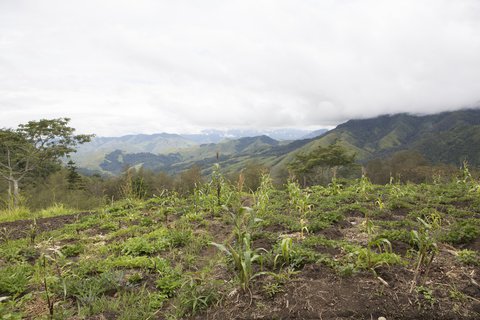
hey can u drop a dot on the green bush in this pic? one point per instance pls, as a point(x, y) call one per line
point(137, 247)
point(14, 278)
point(72, 250)
point(179, 238)
point(462, 232)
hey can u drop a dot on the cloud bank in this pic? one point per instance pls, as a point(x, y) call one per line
point(118, 67)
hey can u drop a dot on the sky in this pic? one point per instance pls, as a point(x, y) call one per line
point(119, 67)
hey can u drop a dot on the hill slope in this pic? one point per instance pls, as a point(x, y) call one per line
point(448, 137)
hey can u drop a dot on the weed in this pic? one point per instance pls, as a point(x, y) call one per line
point(14, 279)
point(72, 250)
point(168, 282)
point(461, 232)
point(179, 237)
point(87, 290)
point(6, 234)
point(197, 293)
point(137, 246)
point(272, 288)
point(468, 257)
point(135, 278)
point(427, 294)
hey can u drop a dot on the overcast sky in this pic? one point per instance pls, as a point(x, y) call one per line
point(118, 67)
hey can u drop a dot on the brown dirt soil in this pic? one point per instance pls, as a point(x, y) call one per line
point(19, 229)
point(317, 292)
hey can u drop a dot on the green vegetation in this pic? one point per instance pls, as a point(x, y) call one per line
point(139, 258)
point(196, 245)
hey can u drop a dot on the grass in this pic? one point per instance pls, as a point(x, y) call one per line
point(139, 259)
point(23, 213)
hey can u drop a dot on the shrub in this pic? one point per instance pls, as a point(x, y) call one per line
point(14, 278)
point(72, 250)
point(462, 232)
point(137, 246)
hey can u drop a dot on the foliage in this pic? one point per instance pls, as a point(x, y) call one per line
point(35, 147)
point(243, 257)
point(14, 279)
point(463, 231)
point(425, 241)
point(468, 257)
point(330, 157)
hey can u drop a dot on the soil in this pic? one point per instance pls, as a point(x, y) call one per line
point(319, 292)
point(19, 229)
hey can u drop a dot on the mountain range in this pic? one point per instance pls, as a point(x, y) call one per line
point(448, 137)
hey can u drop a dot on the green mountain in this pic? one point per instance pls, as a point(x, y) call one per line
point(90, 155)
point(448, 137)
point(231, 151)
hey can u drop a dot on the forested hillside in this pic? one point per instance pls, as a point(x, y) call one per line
point(448, 138)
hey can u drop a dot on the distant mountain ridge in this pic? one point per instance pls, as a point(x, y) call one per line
point(99, 154)
point(448, 137)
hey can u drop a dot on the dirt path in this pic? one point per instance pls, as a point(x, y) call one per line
point(20, 228)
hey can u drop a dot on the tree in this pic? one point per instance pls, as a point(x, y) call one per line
point(322, 158)
point(33, 147)
point(74, 179)
point(190, 178)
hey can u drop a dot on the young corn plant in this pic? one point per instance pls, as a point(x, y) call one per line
point(364, 187)
point(294, 194)
point(425, 240)
point(299, 203)
point(379, 202)
point(244, 222)
point(243, 257)
point(335, 187)
point(262, 195)
point(32, 231)
point(367, 257)
point(465, 176)
point(285, 252)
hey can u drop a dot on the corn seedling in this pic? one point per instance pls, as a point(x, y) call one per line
point(379, 202)
point(262, 195)
point(244, 222)
point(294, 194)
point(465, 176)
point(32, 230)
point(286, 251)
point(299, 201)
point(425, 240)
point(243, 258)
point(50, 303)
point(335, 187)
point(217, 182)
point(364, 186)
point(366, 256)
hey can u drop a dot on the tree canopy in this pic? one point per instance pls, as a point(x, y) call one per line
point(34, 146)
point(306, 165)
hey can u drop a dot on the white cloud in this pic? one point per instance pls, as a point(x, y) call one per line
point(119, 67)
